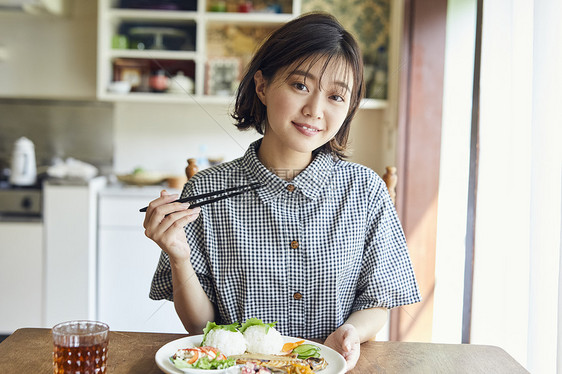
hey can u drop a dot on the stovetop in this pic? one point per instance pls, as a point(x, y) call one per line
point(20, 201)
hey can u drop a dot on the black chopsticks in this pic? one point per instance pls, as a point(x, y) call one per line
point(235, 191)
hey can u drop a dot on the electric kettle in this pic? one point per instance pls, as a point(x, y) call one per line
point(24, 168)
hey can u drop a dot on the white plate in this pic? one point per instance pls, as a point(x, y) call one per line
point(142, 178)
point(336, 362)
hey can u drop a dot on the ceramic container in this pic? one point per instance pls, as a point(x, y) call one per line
point(24, 167)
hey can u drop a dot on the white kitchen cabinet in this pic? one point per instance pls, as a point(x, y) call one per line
point(127, 260)
point(49, 264)
point(21, 278)
point(70, 219)
point(192, 61)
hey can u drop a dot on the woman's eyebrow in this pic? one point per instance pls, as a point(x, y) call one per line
point(307, 74)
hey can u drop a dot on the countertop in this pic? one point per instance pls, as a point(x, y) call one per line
point(120, 189)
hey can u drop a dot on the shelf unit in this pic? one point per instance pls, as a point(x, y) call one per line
point(111, 18)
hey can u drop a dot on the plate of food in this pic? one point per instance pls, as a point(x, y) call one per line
point(141, 177)
point(248, 348)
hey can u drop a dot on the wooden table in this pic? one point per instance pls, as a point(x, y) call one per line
point(30, 351)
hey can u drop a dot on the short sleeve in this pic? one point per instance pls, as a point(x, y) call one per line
point(387, 277)
point(161, 287)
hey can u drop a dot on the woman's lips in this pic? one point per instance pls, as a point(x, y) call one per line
point(306, 129)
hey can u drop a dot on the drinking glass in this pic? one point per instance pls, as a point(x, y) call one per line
point(80, 347)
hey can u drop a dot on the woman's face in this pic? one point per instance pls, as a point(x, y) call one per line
point(306, 107)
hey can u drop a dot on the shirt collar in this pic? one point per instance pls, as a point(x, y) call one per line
point(310, 181)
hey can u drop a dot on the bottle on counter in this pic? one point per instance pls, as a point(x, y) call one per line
point(191, 168)
point(202, 160)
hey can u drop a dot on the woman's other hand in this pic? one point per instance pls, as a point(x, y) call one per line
point(345, 340)
point(164, 222)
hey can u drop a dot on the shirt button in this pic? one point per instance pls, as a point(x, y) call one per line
point(294, 244)
point(291, 187)
point(297, 296)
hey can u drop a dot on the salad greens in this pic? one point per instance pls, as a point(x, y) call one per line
point(256, 322)
point(204, 363)
point(305, 351)
point(211, 326)
point(236, 326)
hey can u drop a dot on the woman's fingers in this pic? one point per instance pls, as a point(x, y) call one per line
point(171, 229)
point(179, 219)
point(164, 199)
point(162, 223)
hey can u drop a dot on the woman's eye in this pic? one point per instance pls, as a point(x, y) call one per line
point(337, 98)
point(300, 86)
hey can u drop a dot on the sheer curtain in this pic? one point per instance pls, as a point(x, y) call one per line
point(517, 280)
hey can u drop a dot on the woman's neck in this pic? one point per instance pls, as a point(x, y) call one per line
point(283, 162)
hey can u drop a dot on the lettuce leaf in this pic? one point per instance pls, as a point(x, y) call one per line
point(179, 363)
point(256, 322)
point(211, 326)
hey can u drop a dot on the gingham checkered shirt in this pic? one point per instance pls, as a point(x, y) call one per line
point(305, 253)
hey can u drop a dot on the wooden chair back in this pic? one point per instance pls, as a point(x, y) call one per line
point(391, 179)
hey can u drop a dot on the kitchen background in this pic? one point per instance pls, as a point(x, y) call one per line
point(48, 94)
point(89, 241)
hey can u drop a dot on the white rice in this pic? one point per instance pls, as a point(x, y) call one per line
point(227, 342)
point(257, 341)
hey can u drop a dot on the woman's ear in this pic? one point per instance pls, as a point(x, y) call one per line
point(261, 84)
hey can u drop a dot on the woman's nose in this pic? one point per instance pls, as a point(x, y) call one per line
point(313, 108)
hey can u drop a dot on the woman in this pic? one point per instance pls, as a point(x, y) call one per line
point(318, 248)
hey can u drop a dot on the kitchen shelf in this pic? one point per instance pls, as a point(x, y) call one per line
point(156, 15)
point(147, 97)
point(248, 18)
point(204, 25)
point(153, 54)
point(196, 25)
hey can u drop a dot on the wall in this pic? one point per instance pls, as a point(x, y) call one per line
point(78, 129)
point(49, 57)
point(161, 137)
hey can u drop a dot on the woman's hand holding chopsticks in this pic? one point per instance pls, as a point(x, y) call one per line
point(164, 222)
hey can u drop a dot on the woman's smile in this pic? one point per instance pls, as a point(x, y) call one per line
point(306, 129)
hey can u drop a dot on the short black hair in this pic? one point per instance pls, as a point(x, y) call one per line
point(305, 39)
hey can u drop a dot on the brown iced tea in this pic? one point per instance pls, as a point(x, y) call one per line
point(80, 347)
point(87, 360)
